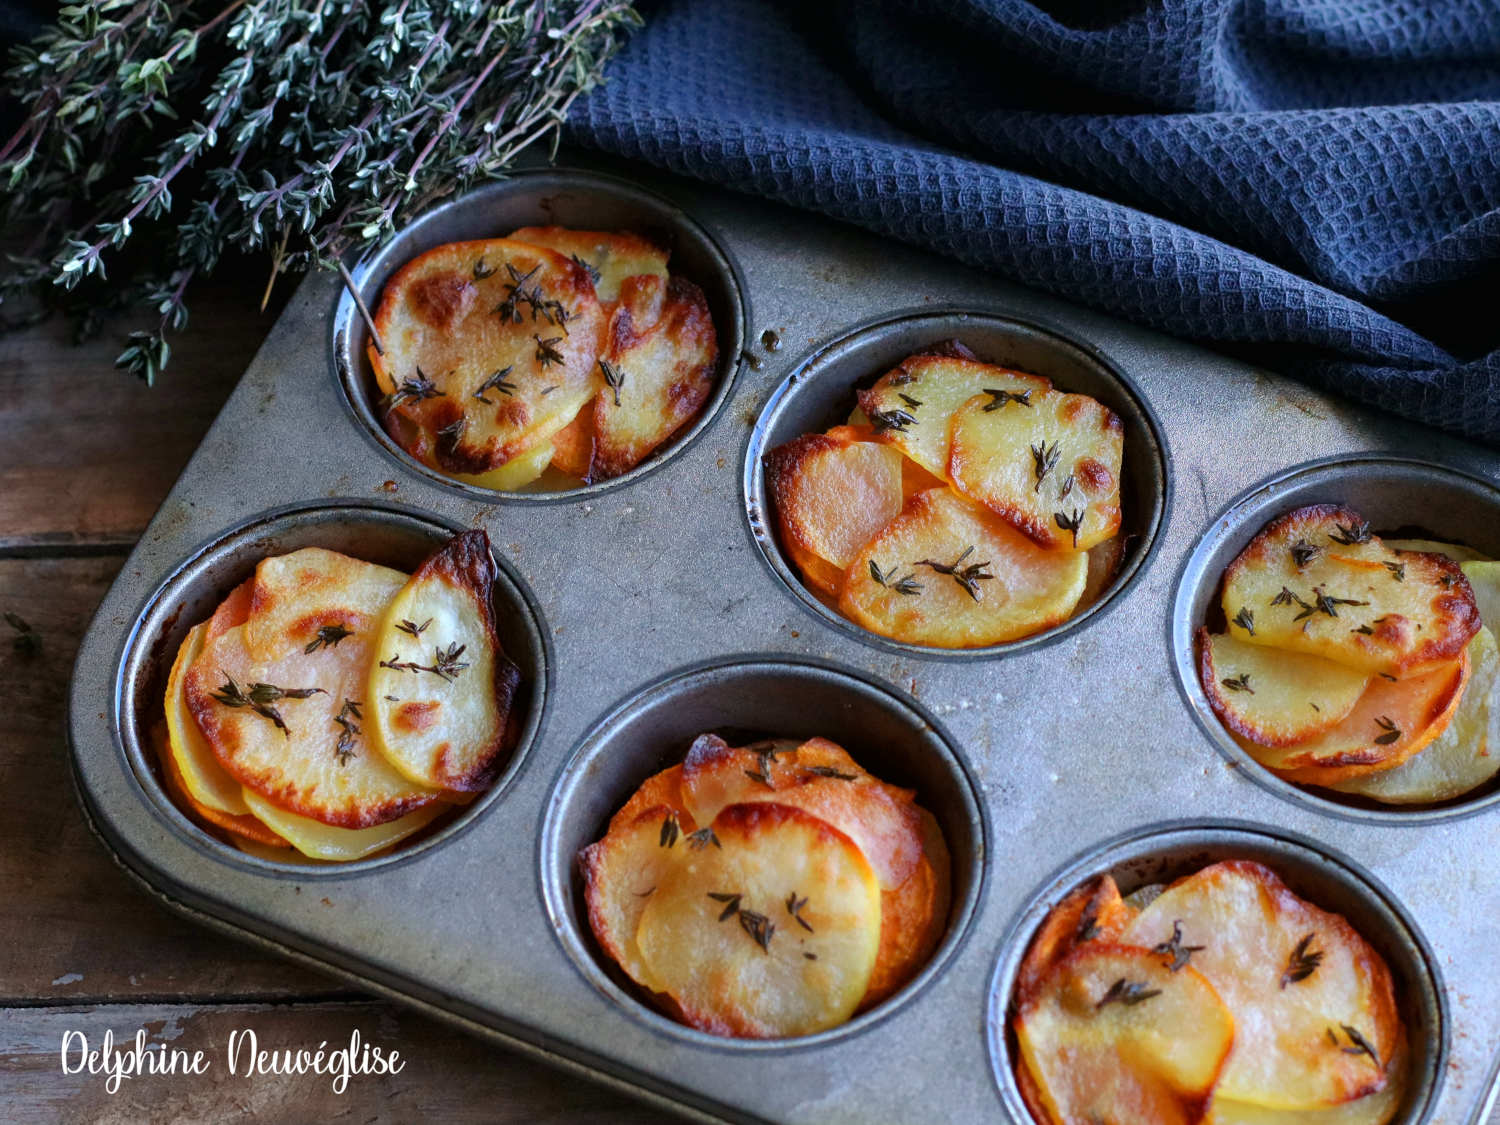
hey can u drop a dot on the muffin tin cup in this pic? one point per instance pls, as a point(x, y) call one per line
point(1171, 850)
point(1418, 499)
point(819, 394)
point(543, 197)
point(377, 533)
point(891, 737)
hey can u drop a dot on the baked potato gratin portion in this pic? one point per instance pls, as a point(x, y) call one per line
point(331, 708)
point(1357, 664)
point(769, 890)
point(1221, 998)
point(963, 504)
point(549, 358)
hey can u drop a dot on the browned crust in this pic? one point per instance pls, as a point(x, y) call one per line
point(590, 864)
point(783, 473)
point(1090, 911)
point(1220, 702)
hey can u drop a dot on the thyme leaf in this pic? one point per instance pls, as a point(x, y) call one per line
point(759, 927)
point(497, 382)
point(260, 698)
point(614, 378)
point(702, 838)
point(1044, 460)
point(1351, 534)
point(1127, 992)
point(329, 635)
point(794, 907)
point(1001, 397)
point(1173, 947)
point(1245, 619)
point(1303, 962)
point(887, 578)
point(669, 831)
point(1391, 732)
point(415, 389)
point(731, 903)
point(969, 577)
point(1304, 552)
point(546, 350)
point(895, 421)
point(1070, 522)
point(1238, 683)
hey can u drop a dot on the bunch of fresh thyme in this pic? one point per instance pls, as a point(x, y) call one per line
point(159, 133)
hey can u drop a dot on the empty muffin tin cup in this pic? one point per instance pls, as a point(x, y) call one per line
point(744, 699)
point(543, 197)
point(1400, 498)
point(820, 394)
point(373, 532)
point(1165, 852)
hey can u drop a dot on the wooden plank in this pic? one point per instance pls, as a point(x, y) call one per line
point(91, 451)
point(74, 927)
point(445, 1076)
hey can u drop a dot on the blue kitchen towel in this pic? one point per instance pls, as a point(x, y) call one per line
point(1313, 185)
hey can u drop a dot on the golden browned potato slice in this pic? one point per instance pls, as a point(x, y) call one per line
point(833, 496)
point(880, 819)
point(192, 760)
point(1092, 911)
point(662, 790)
point(610, 256)
point(490, 348)
point(1463, 757)
point(314, 599)
point(241, 826)
point(441, 688)
point(657, 377)
point(621, 872)
point(912, 406)
point(1376, 1109)
point(912, 920)
point(1274, 697)
point(516, 473)
point(825, 579)
point(773, 933)
point(1455, 551)
point(1050, 468)
point(1113, 1034)
point(1316, 581)
point(954, 575)
point(317, 840)
point(1296, 978)
point(1393, 720)
point(573, 446)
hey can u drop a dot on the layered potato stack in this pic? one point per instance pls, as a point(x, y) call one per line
point(1356, 664)
point(552, 349)
point(964, 505)
point(331, 707)
point(1223, 998)
point(768, 890)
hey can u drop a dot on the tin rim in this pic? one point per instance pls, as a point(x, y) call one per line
point(565, 827)
point(1170, 849)
point(719, 277)
point(201, 580)
point(852, 354)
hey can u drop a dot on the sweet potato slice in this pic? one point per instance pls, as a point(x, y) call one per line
point(1050, 468)
point(832, 496)
point(441, 688)
point(1112, 1034)
point(912, 406)
point(490, 348)
point(1002, 586)
point(1463, 757)
point(1392, 721)
point(317, 840)
point(610, 256)
point(1092, 911)
point(1316, 581)
point(772, 934)
point(1273, 697)
point(657, 375)
point(1291, 974)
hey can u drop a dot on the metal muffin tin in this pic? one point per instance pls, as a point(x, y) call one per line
point(662, 608)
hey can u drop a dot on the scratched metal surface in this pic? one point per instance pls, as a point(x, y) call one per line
point(1070, 744)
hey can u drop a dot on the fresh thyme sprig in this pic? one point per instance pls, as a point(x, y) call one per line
point(907, 585)
point(329, 636)
point(969, 577)
point(614, 378)
point(1303, 961)
point(261, 697)
point(445, 662)
point(157, 135)
point(1127, 992)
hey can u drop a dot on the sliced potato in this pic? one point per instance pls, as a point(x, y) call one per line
point(820, 778)
point(233, 610)
point(1484, 581)
point(192, 760)
point(913, 917)
point(1092, 911)
point(611, 256)
point(516, 473)
point(1049, 468)
point(318, 840)
point(833, 496)
point(573, 446)
point(659, 375)
point(1316, 581)
point(490, 348)
point(1455, 551)
point(295, 597)
point(1112, 1034)
point(1017, 588)
point(620, 873)
point(720, 935)
point(1393, 720)
point(1374, 1109)
point(662, 790)
point(822, 576)
point(1273, 697)
point(1463, 757)
point(240, 826)
point(441, 688)
point(939, 385)
point(1252, 928)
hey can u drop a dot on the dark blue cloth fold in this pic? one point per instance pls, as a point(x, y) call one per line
point(1311, 184)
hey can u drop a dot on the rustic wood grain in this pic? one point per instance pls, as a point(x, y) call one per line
point(447, 1077)
point(91, 451)
point(73, 926)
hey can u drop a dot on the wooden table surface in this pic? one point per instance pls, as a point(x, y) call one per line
point(89, 453)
